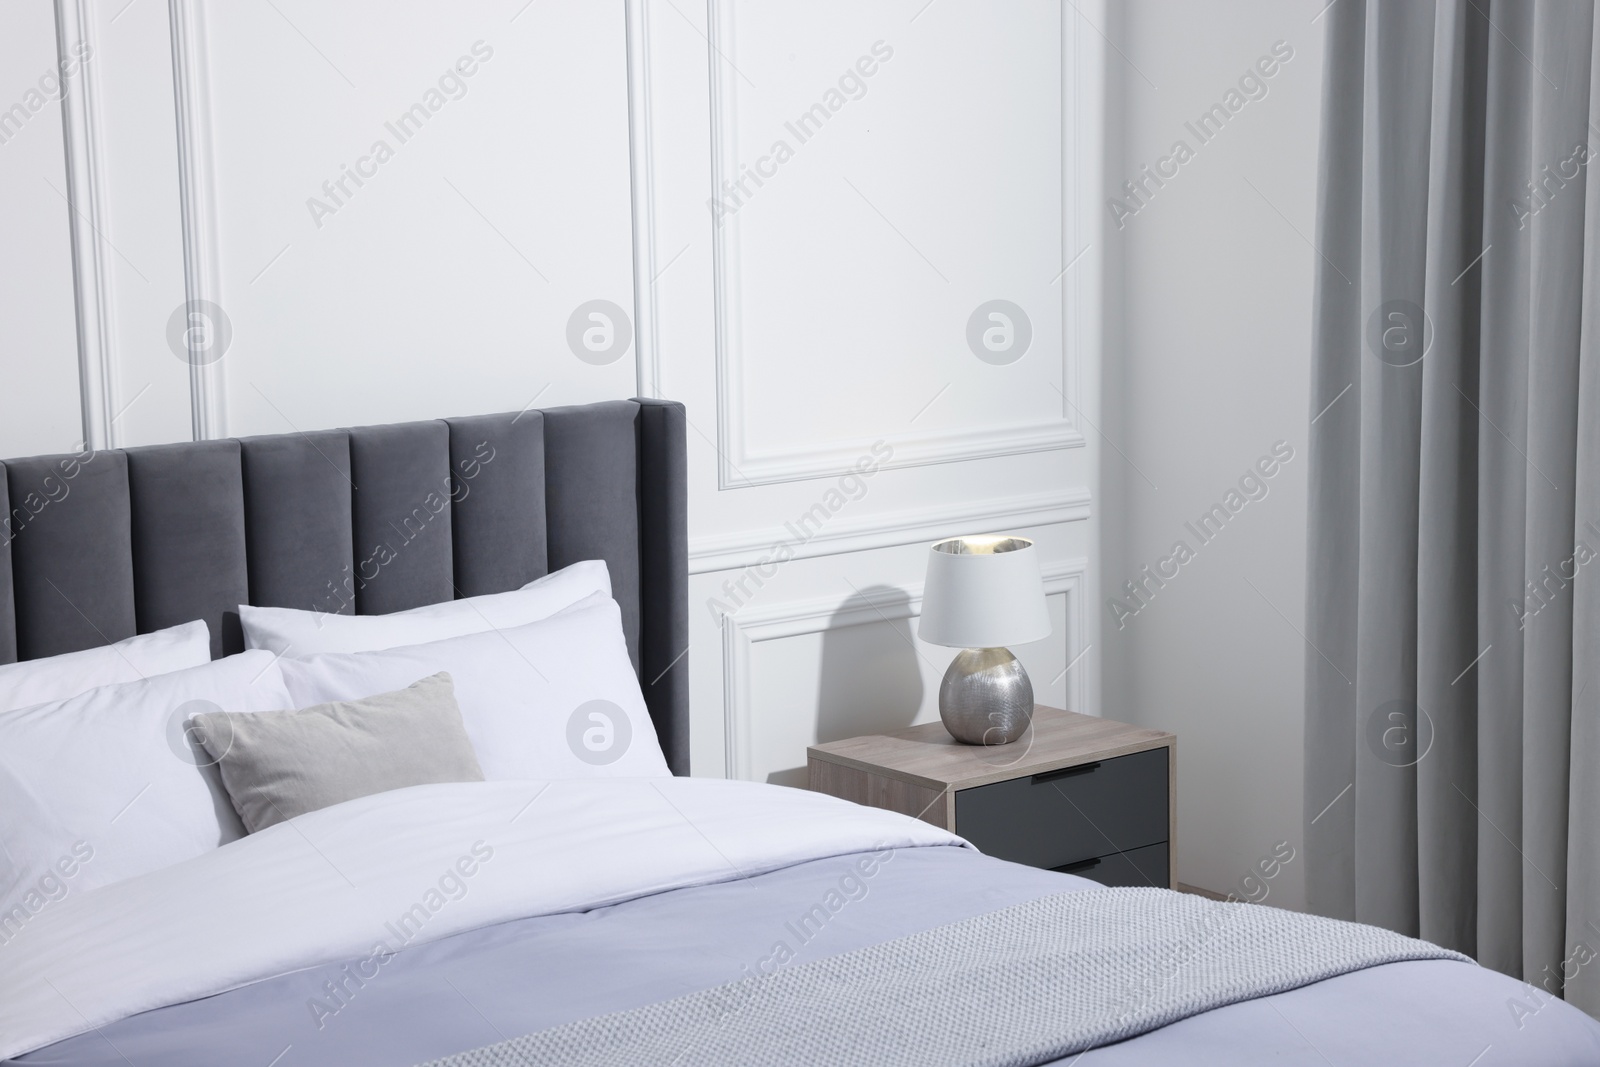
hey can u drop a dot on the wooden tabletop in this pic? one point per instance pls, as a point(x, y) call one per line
point(928, 756)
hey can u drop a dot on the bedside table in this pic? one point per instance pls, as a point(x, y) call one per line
point(1086, 796)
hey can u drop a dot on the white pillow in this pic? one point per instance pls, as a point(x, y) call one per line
point(36, 681)
point(294, 632)
point(114, 773)
point(553, 699)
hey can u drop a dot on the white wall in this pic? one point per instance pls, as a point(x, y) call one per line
point(574, 151)
point(357, 266)
point(821, 314)
point(38, 335)
point(1206, 368)
point(822, 321)
point(825, 314)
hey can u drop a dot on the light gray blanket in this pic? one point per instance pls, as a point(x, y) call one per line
point(1021, 986)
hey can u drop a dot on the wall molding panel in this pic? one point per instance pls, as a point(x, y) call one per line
point(1080, 182)
point(900, 527)
point(743, 468)
point(724, 251)
point(802, 331)
point(641, 151)
point(191, 85)
point(739, 465)
point(742, 631)
point(93, 287)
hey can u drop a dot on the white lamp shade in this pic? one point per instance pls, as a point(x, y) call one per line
point(983, 592)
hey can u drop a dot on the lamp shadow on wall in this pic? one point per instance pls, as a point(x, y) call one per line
point(869, 681)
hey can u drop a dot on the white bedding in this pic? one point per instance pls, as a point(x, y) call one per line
point(406, 867)
point(556, 698)
point(51, 678)
point(298, 633)
point(111, 777)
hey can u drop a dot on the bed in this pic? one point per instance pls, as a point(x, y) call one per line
point(448, 921)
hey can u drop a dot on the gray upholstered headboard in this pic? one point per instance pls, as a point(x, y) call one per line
point(100, 546)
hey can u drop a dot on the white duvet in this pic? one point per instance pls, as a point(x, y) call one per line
point(400, 868)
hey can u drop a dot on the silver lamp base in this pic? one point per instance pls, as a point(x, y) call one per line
point(986, 697)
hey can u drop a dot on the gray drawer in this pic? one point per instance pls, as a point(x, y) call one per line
point(1078, 813)
point(1137, 867)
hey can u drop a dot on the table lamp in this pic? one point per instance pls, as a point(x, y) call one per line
point(982, 594)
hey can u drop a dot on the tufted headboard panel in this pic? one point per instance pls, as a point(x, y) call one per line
point(103, 545)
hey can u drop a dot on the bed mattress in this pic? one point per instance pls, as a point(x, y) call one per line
point(738, 890)
point(483, 986)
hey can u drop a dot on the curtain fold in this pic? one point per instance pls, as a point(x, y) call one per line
point(1447, 544)
point(1453, 607)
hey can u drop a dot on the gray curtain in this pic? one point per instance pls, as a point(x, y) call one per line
point(1453, 609)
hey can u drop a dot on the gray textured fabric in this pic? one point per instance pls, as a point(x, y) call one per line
point(591, 493)
point(1451, 607)
point(187, 511)
point(1017, 987)
point(71, 556)
point(297, 491)
point(664, 568)
point(497, 467)
point(401, 519)
point(8, 614)
point(279, 764)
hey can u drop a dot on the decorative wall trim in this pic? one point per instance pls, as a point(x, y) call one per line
point(1083, 101)
point(744, 468)
point(191, 87)
point(1080, 177)
point(641, 155)
point(737, 465)
point(1084, 114)
point(724, 250)
point(92, 282)
point(735, 694)
point(741, 631)
point(731, 551)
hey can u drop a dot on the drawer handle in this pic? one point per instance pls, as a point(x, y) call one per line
point(1081, 865)
point(1065, 772)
